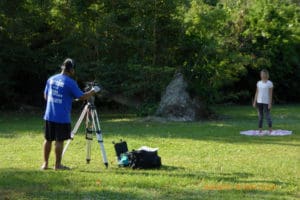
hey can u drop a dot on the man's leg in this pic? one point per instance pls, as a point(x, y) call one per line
point(63, 132)
point(59, 145)
point(47, 150)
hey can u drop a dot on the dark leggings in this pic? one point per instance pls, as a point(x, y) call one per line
point(263, 109)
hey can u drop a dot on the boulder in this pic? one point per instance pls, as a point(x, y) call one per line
point(176, 103)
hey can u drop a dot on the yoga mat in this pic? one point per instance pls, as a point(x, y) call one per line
point(273, 133)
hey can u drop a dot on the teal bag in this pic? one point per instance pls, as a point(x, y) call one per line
point(124, 161)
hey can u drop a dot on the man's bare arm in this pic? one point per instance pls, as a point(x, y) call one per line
point(87, 95)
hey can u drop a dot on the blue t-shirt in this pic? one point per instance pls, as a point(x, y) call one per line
point(60, 91)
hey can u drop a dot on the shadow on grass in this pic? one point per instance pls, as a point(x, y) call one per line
point(22, 184)
point(181, 172)
point(233, 178)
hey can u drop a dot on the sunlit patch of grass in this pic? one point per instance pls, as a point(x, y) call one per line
point(220, 124)
point(121, 120)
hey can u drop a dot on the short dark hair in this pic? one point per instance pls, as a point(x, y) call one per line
point(68, 64)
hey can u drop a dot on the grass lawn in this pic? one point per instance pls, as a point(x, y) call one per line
point(201, 160)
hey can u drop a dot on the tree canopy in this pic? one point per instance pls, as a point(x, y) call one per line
point(133, 47)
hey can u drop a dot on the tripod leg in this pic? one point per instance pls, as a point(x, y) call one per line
point(76, 127)
point(97, 127)
point(89, 138)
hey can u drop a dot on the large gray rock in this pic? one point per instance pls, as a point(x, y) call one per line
point(176, 104)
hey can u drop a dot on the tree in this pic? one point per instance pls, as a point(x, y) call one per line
point(134, 47)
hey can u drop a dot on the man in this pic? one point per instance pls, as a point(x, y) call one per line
point(59, 93)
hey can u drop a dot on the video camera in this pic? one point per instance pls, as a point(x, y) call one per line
point(90, 85)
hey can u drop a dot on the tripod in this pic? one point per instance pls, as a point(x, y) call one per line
point(92, 126)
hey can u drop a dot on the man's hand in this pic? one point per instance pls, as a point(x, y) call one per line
point(96, 89)
point(254, 105)
point(269, 106)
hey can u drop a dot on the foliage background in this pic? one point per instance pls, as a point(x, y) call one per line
point(134, 47)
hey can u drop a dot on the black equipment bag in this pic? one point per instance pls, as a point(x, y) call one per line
point(120, 148)
point(142, 159)
point(139, 159)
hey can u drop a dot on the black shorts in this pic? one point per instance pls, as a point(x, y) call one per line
point(57, 131)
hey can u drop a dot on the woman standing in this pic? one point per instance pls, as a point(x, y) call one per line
point(263, 99)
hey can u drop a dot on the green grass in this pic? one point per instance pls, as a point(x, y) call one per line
point(201, 160)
